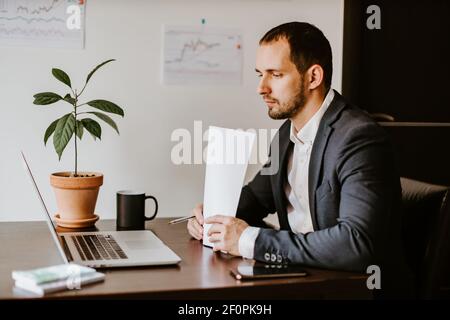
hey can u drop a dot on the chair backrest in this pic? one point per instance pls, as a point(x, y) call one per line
point(426, 236)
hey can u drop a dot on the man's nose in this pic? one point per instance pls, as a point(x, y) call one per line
point(263, 87)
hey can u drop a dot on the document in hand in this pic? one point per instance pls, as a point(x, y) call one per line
point(228, 155)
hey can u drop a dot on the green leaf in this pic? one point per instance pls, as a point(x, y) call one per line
point(96, 68)
point(45, 98)
point(107, 119)
point(79, 129)
point(51, 128)
point(93, 127)
point(61, 76)
point(63, 133)
point(106, 106)
point(69, 99)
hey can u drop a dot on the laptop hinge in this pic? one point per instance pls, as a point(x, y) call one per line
point(66, 248)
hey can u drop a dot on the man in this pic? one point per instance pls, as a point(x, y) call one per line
point(336, 192)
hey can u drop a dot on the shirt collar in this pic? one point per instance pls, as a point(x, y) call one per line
point(309, 130)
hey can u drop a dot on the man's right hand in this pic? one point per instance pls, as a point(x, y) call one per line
point(195, 225)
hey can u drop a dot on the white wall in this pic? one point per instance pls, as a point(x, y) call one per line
point(139, 158)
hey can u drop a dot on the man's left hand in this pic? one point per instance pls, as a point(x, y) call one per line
point(225, 233)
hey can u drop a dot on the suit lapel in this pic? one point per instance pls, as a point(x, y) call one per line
point(318, 151)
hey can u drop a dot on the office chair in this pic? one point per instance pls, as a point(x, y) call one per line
point(382, 117)
point(426, 236)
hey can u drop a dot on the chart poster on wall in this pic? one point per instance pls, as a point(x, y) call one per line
point(42, 23)
point(199, 55)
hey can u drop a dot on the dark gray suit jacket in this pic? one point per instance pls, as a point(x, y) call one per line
point(354, 197)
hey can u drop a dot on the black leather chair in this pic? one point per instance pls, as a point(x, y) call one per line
point(426, 235)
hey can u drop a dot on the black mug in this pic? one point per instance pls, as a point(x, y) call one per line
point(131, 210)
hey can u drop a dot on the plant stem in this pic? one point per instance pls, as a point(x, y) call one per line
point(82, 89)
point(76, 130)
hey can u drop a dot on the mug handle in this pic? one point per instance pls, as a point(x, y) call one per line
point(156, 208)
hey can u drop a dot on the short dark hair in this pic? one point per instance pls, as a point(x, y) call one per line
point(308, 46)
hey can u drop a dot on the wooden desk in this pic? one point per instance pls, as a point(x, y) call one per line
point(202, 274)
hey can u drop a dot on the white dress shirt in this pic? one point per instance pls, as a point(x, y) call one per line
point(296, 188)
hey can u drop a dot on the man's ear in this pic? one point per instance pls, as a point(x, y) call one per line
point(315, 73)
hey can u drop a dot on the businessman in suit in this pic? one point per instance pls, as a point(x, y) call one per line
point(336, 192)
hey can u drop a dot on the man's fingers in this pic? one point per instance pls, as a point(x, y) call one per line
point(218, 219)
point(196, 225)
point(215, 238)
point(195, 230)
point(198, 213)
point(218, 246)
point(195, 234)
point(216, 228)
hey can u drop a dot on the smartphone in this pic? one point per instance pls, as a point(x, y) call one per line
point(244, 272)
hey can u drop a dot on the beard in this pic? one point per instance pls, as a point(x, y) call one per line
point(292, 107)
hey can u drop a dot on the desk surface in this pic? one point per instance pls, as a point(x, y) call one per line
point(202, 274)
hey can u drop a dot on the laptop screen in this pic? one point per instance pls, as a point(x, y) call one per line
point(47, 215)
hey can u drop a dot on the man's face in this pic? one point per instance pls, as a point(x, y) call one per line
point(281, 85)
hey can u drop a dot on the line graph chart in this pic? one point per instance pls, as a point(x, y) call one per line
point(41, 23)
point(195, 55)
point(38, 9)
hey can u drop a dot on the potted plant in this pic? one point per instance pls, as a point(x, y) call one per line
point(76, 192)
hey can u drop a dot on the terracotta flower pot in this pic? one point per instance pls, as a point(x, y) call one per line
point(76, 197)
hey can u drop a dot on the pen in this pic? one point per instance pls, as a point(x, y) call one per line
point(181, 220)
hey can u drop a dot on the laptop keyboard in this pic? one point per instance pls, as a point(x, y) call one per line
point(98, 247)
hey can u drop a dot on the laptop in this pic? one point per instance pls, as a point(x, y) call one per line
point(105, 249)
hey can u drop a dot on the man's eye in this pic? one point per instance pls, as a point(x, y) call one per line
point(276, 75)
point(259, 75)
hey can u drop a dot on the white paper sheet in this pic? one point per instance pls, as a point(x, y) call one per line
point(227, 158)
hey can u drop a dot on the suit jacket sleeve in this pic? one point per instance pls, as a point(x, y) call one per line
point(256, 200)
point(364, 169)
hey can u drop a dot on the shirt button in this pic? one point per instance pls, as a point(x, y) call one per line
point(267, 256)
point(273, 257)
